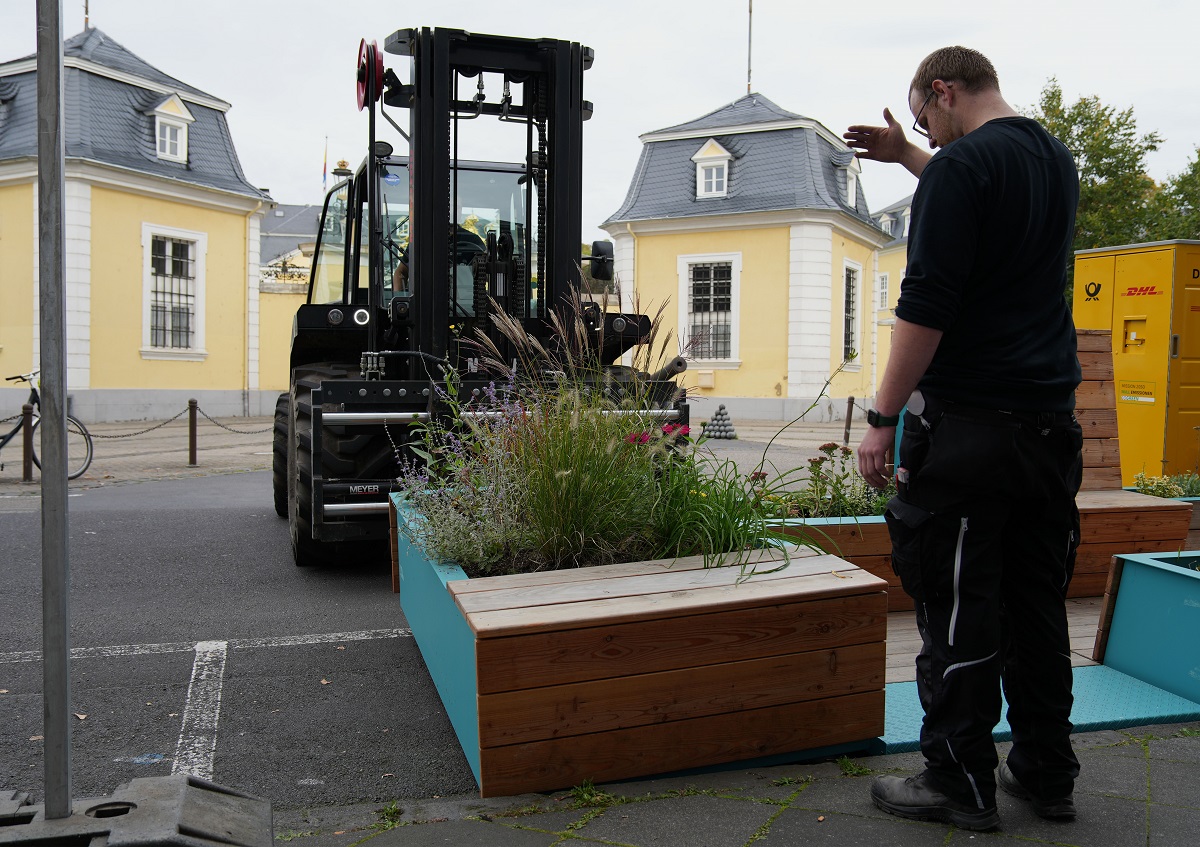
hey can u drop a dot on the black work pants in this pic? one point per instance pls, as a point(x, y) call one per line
point(984, 533)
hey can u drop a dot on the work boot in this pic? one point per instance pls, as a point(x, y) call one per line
point(917, 799)
point(1061, 809)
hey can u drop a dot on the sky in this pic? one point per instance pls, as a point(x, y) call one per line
point(287, 68)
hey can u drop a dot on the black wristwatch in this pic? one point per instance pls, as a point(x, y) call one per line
point(876, 419)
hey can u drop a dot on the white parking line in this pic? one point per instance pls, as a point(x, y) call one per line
point(197, 744)
point(198, 735)
point(234, 644)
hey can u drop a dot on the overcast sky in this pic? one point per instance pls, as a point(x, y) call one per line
point(288, 67)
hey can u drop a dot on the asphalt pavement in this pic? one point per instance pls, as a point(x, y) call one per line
point(391, 774)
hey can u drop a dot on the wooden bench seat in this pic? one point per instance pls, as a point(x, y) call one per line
point(629, 670)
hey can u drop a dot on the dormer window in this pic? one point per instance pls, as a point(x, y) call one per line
point(712, 170)
point(171, 119)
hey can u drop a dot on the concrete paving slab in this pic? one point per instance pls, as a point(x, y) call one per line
point(694, 821)
point(462, 832)
point(1102, 821)
point(1171, 827)
point(1172, 784)
point(1105, 775)
point(799, 826)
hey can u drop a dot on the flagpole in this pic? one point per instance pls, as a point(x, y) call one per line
point(325, 166)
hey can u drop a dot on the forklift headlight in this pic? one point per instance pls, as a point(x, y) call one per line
point(335, 317)
point(362, 317)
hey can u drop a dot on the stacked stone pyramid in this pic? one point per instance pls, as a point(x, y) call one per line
point(721, 426)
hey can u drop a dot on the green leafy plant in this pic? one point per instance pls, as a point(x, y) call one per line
point(1188, 482)
point(1157, 486)
point(832, 489)
point(852, 768)
point(563, 464)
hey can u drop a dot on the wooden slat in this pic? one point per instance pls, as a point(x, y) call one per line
point(1100, 479)
point(1093, 341)
point(637, 585)
point(1097, 423)
point(848, 540)
point(607, 756)
point(542, 578)
point(559, 711)
point(558, 657)
point(1149, 525)
point(1087, 585)
point(1101, 453)
point(1118, 500)
point(843, 581)
point(1096, 365)
point(1097, 558)
point(1093, 394)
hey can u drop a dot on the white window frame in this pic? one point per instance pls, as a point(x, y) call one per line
point(735, 295)
point(883, 291)
point(856, 301)
point(715, 160)
point(180, 127)
point(197, 352)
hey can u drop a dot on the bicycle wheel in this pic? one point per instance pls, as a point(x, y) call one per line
point(79, 447)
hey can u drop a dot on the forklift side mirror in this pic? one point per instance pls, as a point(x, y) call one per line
point(602, 260)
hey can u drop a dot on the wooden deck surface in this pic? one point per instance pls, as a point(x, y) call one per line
point(903, 643)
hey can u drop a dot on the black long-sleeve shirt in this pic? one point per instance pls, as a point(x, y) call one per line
point(993, 219)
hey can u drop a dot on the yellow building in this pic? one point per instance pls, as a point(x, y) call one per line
point(751, 223)
point(162, 241)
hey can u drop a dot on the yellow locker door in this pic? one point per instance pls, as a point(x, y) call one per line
point(1183, 384)
point(1092, 293)
point(1141, 327)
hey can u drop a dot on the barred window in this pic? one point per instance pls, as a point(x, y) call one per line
point(710, 309)
point(849, 335)
point(172, 292)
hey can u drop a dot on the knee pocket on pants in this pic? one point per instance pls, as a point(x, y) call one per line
point(905, 521)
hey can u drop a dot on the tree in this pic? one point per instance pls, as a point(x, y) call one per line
point(1177, 206)
point(1118, 202)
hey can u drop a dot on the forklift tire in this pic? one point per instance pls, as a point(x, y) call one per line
point(306, 550)
point(279, 455)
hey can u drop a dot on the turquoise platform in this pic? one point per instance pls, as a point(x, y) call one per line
point(1104, 699)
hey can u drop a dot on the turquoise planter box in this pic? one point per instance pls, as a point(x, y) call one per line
point(446, 642)
point(1154, 635)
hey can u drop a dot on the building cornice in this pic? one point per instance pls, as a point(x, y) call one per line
point(18, 171)
point(752, 220)
point(741, 129)
point(25, 66)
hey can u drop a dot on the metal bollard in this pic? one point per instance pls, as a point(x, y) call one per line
point(849, 414)
point(27, 447)
point(192, 406)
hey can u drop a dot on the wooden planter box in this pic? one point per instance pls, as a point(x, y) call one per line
point(1150, 623)
point(631, 670)
point(1111, 522)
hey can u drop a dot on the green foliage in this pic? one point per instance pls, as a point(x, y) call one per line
point(389, 817)
point(833, 489)
point(851, 768)
point(563, 471)
point(1176, 209)
point(1117, 199)
point(1157, 486)
point(1189, 483)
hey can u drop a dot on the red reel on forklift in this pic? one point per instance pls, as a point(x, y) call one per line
point(369, 62)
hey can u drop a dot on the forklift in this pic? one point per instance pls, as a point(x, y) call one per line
point(418, 252)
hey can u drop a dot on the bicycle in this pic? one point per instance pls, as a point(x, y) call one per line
point(79, 440)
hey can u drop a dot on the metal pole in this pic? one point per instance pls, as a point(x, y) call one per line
point(56, 640)
point(192, 406)
point(27, 443)
point(749, 41)
point(849, 415)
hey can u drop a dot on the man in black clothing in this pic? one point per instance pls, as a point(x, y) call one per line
point(984, 529)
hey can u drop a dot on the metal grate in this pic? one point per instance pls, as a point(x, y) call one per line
point(849, 336)
point(710, 310)
point(173, 292)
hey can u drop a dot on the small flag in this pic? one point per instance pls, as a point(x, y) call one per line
point(325, 166)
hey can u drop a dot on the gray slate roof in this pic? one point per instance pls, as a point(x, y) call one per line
point(285, 228)
point(771, 170)
point(105, 119)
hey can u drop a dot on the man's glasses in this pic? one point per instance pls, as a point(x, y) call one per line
point(917, 128)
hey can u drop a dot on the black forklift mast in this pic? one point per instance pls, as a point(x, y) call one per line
point(550, 74)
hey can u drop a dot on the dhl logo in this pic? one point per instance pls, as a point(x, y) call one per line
point(1140, 291)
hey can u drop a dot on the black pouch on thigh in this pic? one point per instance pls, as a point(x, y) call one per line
point(905, 521)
